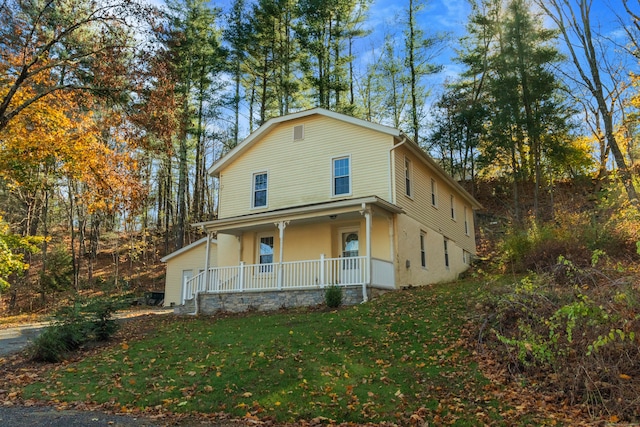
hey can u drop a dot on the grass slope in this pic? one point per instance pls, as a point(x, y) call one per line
point(401, 358)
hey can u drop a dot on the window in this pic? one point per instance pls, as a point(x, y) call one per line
point(466, 222)
point(466, 257)
point(407, 176)
point(341, 176)
point(423, 250)
point(453, 206)
point(265, 254)
point(260, 190)
point(434, 189)
point(298, 133)
point(446, 253)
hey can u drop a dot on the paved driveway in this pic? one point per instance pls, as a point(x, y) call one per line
point(17, 338)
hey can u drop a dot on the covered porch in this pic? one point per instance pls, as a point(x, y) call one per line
point(347, 243)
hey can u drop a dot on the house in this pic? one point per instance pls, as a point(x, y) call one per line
point(183, 265)
point(317, 198)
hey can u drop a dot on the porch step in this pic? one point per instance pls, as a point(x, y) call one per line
point(188, 307)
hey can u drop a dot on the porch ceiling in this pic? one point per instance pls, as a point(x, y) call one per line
point(349, 209)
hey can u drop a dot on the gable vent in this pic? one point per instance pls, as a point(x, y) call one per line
point(298, 133)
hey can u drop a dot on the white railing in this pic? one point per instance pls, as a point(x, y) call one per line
point(288, 275)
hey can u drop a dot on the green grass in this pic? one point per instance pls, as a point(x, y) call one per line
point(396, 356)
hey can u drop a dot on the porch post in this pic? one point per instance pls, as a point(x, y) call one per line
point(207, 263)
point(281, 226)
point(366, 211)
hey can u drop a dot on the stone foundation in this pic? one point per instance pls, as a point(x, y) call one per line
point(265, 301)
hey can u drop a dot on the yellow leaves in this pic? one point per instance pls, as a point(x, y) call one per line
point(124, 346)
point(624, 377)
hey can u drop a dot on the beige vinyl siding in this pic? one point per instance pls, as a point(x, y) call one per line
point(229, 254)
point(409, 250)
point(308, 241)
point(194, 260)
point(420, 208)
point(300, 172)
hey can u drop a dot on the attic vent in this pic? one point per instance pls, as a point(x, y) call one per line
point(298, 133)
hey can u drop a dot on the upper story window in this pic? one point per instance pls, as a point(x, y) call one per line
point(260, 190)
point(434, 192)
point(407, 177)
point(453, 206)
point(341, 176)
point(466, 222)
point(298, 133)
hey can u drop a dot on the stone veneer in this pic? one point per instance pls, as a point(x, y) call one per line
point(265, 301)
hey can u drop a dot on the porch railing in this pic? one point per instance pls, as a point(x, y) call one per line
point(288, 275)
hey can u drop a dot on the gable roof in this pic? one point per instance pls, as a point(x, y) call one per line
point(187, 249)
point(271, 123)
point(399, 136)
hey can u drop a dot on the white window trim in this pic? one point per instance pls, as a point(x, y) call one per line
point(423, 249)
point(259, 236)
point(434, 193)
point(466, 221)
point(452, 207)
point(333, 177)
point(408, 176)
point(253, 190)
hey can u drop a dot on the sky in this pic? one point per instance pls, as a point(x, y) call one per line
point(450, 17)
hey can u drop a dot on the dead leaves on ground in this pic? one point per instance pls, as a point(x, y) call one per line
point(410, 335)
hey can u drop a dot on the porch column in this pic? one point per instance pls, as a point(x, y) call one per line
point(281, 226)
point(367, 211)
point(207, 279)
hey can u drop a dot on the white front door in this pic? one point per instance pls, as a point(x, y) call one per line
point(350, 268)
point(186, 275)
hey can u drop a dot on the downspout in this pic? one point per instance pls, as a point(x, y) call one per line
point(366, 211)
point(392, 193)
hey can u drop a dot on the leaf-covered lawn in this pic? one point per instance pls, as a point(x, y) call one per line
point(401, 357)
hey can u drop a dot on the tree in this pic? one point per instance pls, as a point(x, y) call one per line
point(273, 61)
point(508, 103)
point(198, 58)
point(419, 54)
point(574, 20)
point(237, 36)
point(12, 249)
point(325, 30)
point(58, 45)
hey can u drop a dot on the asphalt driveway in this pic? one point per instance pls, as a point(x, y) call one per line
point(17, 338)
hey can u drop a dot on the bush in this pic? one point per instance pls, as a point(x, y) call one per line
point(82, 322)
point(333, 296)
point(576, 332)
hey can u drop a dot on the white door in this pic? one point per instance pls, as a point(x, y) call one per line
point(350, 268)
point(186, 275)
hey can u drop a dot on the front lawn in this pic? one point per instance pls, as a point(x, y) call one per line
point(401, 357)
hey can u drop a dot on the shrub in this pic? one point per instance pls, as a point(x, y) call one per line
point(575, 332)
point(333, 296)
point(75, 325)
